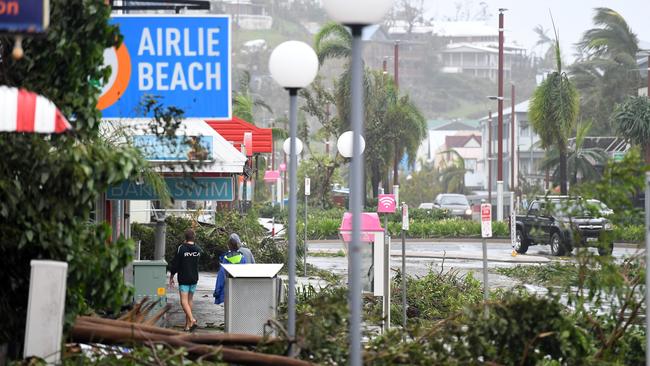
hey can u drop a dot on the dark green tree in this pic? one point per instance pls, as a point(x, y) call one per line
point(581, 161)
point(632, 121)
point(49, 184)
point(603, 72)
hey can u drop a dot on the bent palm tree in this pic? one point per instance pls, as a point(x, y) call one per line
point(333, 41)
point(611, 37)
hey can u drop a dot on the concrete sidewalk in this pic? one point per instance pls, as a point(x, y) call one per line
point(209, 315)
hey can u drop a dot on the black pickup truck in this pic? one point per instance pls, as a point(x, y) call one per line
point(563, 223)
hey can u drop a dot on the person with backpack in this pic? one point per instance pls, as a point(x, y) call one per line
point(232, 256)
point(186, 264)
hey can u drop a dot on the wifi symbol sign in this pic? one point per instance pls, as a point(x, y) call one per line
point(386, 203)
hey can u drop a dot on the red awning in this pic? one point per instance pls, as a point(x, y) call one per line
point(233, 130)
point(24, 111)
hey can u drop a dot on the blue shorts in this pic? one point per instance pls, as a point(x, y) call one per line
point(187, 288)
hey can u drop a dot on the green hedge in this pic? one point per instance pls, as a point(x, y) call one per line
point(213, 239)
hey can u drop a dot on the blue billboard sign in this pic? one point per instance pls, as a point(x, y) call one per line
point(183, 60)
point(180, 148)
point(24, 16)
point(180, 188)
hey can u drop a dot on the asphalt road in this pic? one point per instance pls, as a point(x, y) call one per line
point(462, 256)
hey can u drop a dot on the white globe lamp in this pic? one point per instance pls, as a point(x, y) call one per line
point(293, 64)
point(357, 12)
point(287, 145)
point(345, 143)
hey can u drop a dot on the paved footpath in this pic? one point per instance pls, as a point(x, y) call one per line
point(209, 315)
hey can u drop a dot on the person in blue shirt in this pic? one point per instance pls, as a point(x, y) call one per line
point(233, 256)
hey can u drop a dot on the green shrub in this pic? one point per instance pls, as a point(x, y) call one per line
point(212, 239)
point(435, 296)
point(631, 233)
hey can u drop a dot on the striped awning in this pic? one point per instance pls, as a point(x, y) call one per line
point(24, 111)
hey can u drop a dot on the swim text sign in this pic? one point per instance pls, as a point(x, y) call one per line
point(180, 188)
point(183, 60)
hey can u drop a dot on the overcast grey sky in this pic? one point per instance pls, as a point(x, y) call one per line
point(572, 17)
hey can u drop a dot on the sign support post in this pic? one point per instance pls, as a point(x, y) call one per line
point(405, 227)
point(486, 232)
point(386, 204)
point(307, 193)
point(647, 259)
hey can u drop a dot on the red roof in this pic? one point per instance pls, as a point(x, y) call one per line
point(460, 141)
point(233, 130)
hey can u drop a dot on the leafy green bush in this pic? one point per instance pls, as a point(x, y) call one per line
point(212, 239)
point(434, 296)
point(630, 233)
point(519, 330)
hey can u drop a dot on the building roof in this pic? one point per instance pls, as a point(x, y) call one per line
point(233, 130)
point(607, 143)
point(461, 141)
point(448, 29)
point(483, 47)
point(465, 125)
point(519, 108)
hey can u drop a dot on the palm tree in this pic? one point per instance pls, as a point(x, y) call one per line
point(407, 130)
point(553, 112)
point(452, 172)
point(244, 102)
point(581, 161)
point(611, 37)
point(608, 53)
point(333, 41)
point(632, 119)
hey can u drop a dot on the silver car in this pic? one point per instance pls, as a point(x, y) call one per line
point(456, 204)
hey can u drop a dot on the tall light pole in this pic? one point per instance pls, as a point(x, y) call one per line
point(356, 15)
point(489, 156)
point(293, 65)
point(513, 130)
point(500, 123)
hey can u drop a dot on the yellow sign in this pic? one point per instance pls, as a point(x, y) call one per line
point(161, 291)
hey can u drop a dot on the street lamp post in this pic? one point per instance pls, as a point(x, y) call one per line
point(293, 65)
point(500, 123)
point(356, 15)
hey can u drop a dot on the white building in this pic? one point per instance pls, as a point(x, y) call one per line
point(460, 136)
point(528, 153)
point(471, 47)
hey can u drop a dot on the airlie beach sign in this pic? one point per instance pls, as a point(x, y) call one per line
point(182, 59)
point(180, 188)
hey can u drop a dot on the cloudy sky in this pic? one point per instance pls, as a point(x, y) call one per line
point(572, 17)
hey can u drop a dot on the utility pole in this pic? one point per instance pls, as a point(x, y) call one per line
point(500, 123)
point(513, 130)
point(396, 51)
point(489, 156)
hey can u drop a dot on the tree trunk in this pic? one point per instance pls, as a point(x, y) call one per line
point(375, 179)
point(396, 167)
point(563, 172)
point(647, 154)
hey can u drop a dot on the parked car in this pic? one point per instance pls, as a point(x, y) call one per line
point(426, 206)
point(563, 223)
point(456, 204)
point(273, 228)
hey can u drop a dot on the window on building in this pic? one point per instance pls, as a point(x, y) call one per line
point(523, 130)
point(470, 165)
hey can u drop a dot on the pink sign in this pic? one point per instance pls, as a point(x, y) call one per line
point(386, 203)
